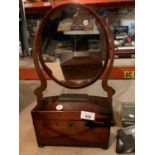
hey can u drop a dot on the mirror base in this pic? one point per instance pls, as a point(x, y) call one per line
point(77, 123)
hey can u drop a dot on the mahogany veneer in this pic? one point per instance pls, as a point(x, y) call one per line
point(66, 128)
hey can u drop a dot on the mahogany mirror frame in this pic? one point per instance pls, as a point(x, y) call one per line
point(40, 64)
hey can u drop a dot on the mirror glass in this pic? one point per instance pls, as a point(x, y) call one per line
point(72, 46)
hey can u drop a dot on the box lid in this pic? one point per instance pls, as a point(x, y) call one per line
point(58, 107)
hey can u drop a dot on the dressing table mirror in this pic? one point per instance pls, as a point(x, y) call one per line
point(74, 47)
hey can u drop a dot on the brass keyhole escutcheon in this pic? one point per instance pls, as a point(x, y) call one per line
point(71, 125)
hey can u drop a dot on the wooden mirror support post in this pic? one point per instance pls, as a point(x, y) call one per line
point(73, 119)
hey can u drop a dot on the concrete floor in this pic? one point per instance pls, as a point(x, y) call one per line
point(28, 63)
point(125, 92)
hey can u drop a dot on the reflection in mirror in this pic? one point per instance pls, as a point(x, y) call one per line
point(72, 47)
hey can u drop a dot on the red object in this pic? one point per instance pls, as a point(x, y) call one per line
point(129, 39)
point(43, 7)
point(31, 74)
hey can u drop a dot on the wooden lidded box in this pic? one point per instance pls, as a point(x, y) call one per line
point(88, 64)
point(73, 120)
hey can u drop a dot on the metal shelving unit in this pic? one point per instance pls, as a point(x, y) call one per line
point(23, 30)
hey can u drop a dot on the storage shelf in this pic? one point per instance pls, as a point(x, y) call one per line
point(122, 69)
point(116, 73)
point(36, 7)
point(59, 2)
point(125, 52)
point(44, 6)
point(37, 4)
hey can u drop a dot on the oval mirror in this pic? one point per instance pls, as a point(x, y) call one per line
point(72, 44)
